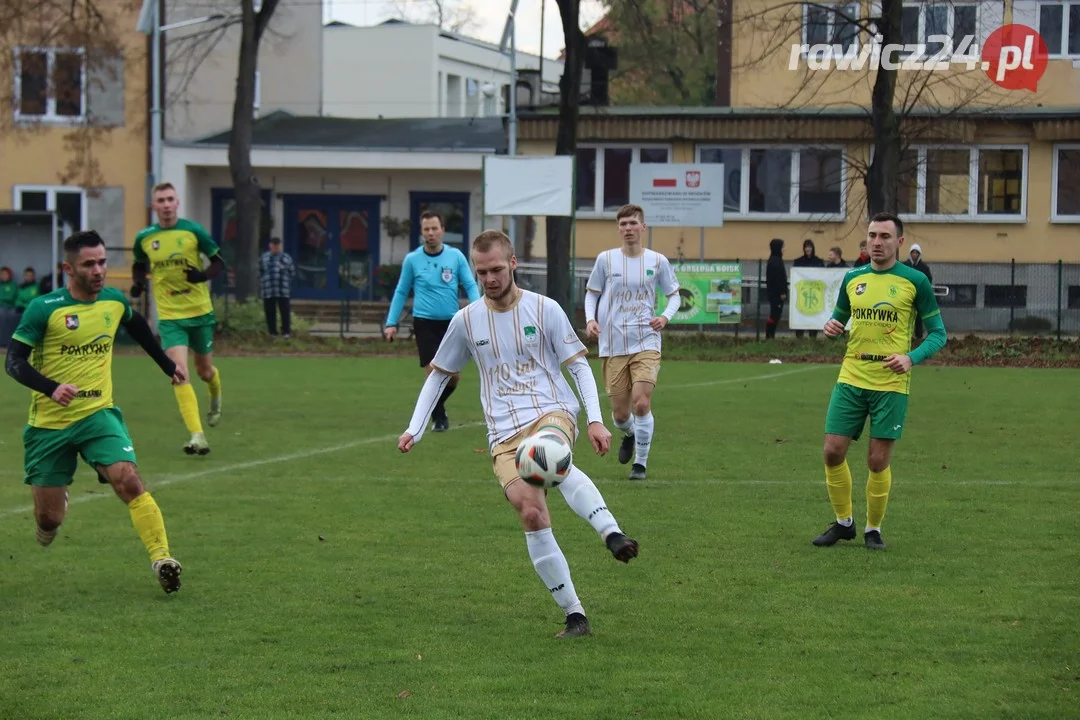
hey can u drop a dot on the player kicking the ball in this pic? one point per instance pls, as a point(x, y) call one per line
point(882, 300)
point(619, 308)
point(520, 341)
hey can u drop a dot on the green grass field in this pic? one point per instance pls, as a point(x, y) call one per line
point(326, 575)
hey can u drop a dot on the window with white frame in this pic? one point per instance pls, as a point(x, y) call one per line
point(1066, 189)
point(50, 83)
point(924, 23)
point(1059, 26)
point(68, 202)
point(953, 183)
point(781, 182)
point(603, 173)
point(833, 24)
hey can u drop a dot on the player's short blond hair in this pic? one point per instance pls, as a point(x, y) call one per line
point(629, 211)
point(489, 239)
point(160, 187)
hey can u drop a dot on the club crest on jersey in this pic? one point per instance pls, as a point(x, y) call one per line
point(156, 244)
point(71, 322)
point(860, 288)
point(648, 273)
point(447, 274)
point(108, 319)
point(893, 291)
point(531, 335)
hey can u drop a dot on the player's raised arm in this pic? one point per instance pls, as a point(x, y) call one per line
point(453, 353)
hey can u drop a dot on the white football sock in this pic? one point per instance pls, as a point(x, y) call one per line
point(585, 499)
point(551, 566)
point(627, 425)
point(643, 432)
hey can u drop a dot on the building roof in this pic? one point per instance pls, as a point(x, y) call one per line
point(1002, 112)
point(282, 129)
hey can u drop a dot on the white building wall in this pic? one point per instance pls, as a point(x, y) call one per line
point(418, 72)
point(386, 70)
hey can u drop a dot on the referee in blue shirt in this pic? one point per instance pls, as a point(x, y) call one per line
point(432, 272)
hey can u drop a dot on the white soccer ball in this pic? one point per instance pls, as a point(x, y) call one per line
point(543, 459)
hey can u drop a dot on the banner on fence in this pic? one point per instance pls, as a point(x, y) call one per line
point(812, 296)
point(711, 293)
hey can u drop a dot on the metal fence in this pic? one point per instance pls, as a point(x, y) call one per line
point(982, 298)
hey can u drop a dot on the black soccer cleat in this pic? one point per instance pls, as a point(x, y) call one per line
point(168, 572)
point(441, 423)
point(835, 533)
point(873, 540)
point(626, 450)
point(577, 625)
point(623, 548)
point(637, 472)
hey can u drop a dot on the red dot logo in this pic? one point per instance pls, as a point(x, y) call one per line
point(1014, 57)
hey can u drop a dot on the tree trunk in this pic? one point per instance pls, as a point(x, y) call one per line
point(559, 275)
point(245, 183)
point(883, 175)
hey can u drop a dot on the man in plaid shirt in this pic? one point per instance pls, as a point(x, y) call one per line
point(276, 274)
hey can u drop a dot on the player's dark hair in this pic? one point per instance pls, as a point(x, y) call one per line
point(80, 240)
point(889, 217)
point(629, 211)
point(428, 214)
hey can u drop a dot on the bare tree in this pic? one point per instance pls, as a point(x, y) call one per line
point(245, 183)
point(559, 277)
point(453, 15)
point(50, 47)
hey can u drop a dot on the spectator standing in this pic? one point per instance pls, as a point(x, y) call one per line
point(276, 274)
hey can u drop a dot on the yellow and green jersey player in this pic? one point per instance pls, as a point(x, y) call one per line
point(171, 252)
point(882, 300)
point(62, 350)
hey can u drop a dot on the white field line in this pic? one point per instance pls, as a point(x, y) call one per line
point(220, 469)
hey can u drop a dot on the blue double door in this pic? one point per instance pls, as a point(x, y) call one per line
point(334, 241)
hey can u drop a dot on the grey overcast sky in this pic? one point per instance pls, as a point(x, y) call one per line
point(490, 14)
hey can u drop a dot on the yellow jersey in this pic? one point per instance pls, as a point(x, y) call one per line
point(882, 306)
point(72, 343)
point(169, 252)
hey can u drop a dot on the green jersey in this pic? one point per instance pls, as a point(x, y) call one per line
point(169, 252)
point(8, 292)
point(882, 306)
point(73, 344)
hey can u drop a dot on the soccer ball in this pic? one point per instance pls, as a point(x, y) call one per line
point(543, 459)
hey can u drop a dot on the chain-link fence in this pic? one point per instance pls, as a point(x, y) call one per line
point(982, 298)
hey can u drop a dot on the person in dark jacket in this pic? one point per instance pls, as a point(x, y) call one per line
point(809, 259)
point(836, 258)
point(864, 256)
point(776, 286)
point(27, 291)
point(915, 260)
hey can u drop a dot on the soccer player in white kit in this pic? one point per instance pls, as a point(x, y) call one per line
point(620, 302)
point(521, 341)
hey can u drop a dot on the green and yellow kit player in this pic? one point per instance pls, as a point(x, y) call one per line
point(171, 252)
point(62, 350)
point(882, 300)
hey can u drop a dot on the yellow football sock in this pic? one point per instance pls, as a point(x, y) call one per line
point(214, 385)
point(877, 496)
point(838, 482)
point(189, 407)
point(146, 517)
